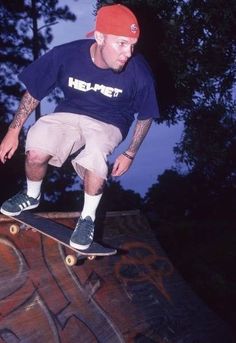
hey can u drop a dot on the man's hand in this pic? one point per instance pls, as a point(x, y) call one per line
point(124, 161)
point(9, 145)
point(11, 141)
point(121, 165)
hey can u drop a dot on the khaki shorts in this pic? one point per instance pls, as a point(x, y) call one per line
point(63, 134)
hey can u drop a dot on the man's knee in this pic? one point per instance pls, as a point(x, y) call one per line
point(37, 157)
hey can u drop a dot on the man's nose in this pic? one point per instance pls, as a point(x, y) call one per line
point(129, 51)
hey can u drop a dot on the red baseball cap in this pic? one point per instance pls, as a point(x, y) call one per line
point(116, 20)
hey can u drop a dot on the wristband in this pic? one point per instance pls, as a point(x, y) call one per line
point(128, 156)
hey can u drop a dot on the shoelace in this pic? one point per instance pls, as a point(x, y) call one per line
point(85, 227)
point(19, 197)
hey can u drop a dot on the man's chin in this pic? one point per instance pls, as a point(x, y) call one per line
point(118, 69)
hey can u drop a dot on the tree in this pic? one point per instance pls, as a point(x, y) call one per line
point(192, 58)
point(23, 40)
point(209, 143)
point(168, 197)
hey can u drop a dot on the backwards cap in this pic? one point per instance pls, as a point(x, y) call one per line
point(116, 20)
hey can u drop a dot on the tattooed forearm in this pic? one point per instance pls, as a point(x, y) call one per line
point(140, 131)
point(26, 107)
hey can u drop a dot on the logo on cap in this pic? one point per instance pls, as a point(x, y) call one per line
point(133, 28)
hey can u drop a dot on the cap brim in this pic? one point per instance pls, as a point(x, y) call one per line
point(90, 34)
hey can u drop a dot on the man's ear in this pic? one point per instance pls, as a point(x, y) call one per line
point(99, 37)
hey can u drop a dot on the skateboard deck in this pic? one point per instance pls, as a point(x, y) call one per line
point(59, 233)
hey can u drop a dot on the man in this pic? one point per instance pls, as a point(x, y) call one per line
point(103, 86)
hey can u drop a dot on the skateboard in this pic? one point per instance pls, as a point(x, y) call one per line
point(60, 233)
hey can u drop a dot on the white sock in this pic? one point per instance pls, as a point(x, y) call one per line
point(90, 205)
point(33, 188)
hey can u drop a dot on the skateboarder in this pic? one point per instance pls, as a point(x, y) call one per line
point(104, 85)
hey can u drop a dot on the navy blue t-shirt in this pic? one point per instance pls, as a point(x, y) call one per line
point(106, 95)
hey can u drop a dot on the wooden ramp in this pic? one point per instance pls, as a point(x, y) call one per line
point(135, 296)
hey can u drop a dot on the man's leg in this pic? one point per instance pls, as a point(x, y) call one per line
point(36, 164)
point(93, 189)
point(82, 236)
point(35, 167)
point(91, 165)
point(57, 133)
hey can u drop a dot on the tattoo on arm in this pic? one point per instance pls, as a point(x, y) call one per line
point(26, 107)
point(140, 131)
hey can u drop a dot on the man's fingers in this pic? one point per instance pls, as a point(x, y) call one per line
point(114, 170)
point(121, 165)
point(10, 154)
point(3, 159)
point(4, 156)
point(117, 171)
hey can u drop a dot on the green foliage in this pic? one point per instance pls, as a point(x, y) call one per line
point(23, 39)
point(168, 198)
point(209, 143)
point(190, 46)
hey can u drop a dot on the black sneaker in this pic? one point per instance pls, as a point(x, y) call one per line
point(18, 203)
point(82, 236)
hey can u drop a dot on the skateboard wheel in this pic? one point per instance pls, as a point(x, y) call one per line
point(14, 229)
point(92, 257)
point(71, 260)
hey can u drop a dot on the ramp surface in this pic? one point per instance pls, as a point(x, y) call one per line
point(135, 296)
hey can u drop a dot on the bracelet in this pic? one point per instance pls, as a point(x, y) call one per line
point(128, 156)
